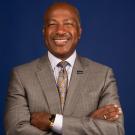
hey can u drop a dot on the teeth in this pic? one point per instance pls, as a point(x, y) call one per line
point(60, 41)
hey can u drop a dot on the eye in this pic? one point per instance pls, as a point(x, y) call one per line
point(51, 24)
point(68, 24)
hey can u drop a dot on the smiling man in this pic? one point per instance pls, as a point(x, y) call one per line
point(62, 92)
point(62, 30)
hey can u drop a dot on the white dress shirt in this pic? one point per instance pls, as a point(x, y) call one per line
point(58, 122)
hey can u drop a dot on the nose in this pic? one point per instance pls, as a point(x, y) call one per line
point(60, 29)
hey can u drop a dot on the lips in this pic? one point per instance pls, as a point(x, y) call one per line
point(60, 41)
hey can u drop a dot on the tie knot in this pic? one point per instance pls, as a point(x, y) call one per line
point(62, 64)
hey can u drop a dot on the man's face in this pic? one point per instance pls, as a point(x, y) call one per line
point(62, 31)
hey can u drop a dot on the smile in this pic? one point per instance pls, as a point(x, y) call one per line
point(60, 41)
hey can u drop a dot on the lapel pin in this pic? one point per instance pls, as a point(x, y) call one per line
point(79, 72)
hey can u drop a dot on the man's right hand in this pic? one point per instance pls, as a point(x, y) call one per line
point(109, 112)
point(41, 120)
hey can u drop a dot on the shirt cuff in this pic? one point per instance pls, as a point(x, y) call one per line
point(58, 122)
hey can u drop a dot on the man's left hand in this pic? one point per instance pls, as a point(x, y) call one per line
point(109, 112)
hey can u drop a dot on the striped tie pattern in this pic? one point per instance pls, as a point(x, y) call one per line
point(62, 82)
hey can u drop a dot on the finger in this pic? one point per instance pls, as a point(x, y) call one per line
point(120, 110)
point(104, 110)
point(112, 115)
point(107, 108)
point(112, 108)
point(114, 118)
point(116, 110)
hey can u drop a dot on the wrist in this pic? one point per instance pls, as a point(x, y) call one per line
point(58, 123)
point(51, 120)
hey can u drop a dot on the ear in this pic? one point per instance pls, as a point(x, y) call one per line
point(80, 32)
point(43, 30)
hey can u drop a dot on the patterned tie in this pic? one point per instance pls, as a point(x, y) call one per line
point(62, 82)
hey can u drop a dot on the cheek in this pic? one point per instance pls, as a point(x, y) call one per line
point(75, 34)
point(47, 34)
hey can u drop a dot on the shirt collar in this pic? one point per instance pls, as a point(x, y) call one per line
point(54, 60)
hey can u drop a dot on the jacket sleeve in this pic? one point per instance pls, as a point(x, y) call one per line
point(17, 114)
point(90, 126)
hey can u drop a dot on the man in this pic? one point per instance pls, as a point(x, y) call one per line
point(63, 93)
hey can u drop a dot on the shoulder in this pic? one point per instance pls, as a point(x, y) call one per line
point(30, 66)
point(93, 65)
point(97, 70)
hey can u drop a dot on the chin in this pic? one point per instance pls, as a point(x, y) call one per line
point(62, 55)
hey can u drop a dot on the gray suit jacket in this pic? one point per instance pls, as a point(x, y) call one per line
point(32, 88)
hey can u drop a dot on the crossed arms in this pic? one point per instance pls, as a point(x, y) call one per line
point(106, 120)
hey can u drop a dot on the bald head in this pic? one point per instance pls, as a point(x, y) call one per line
point(62, 29)
point(62, 6)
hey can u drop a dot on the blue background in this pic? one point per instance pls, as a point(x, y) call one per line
point(108, 37)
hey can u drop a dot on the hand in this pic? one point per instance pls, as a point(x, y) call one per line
point(41, 120)
point(109, 112)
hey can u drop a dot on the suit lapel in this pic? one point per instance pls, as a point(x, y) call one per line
point(78, 78)
point(47, 81)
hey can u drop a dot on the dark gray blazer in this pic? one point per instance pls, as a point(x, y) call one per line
point(32, 88)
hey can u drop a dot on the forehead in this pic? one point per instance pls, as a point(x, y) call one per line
point(60, 10)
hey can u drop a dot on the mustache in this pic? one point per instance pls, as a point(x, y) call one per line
point(56, 36)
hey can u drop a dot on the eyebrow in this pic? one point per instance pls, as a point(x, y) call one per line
point(73, 20)
point(49, 20)
point(69, 19)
